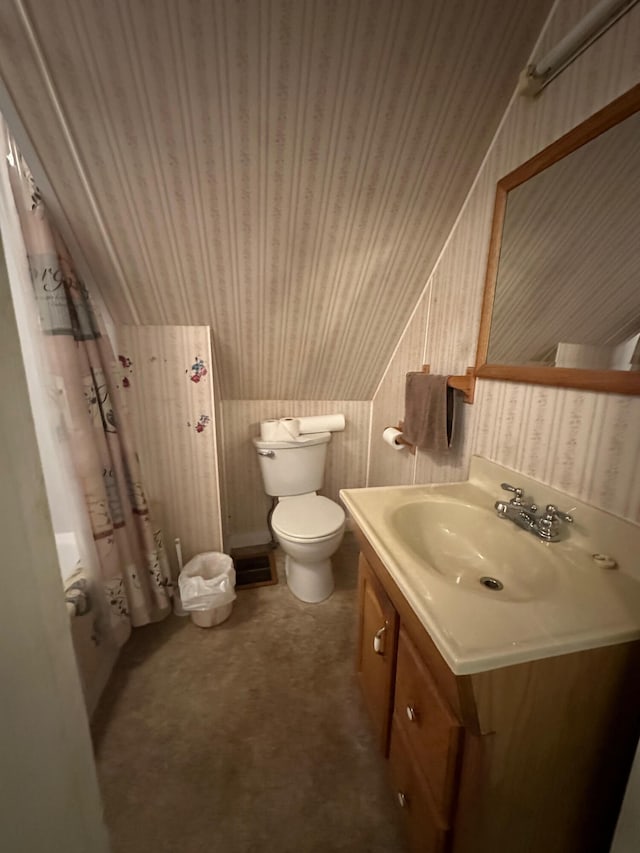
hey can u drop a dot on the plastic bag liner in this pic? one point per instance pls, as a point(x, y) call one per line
point(208, 580)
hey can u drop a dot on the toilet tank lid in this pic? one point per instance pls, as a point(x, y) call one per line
point(300, 441)
point(307, 517)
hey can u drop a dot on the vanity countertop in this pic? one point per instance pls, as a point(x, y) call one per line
point(555, 601)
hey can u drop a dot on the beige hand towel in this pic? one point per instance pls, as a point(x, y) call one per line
point(428, 411)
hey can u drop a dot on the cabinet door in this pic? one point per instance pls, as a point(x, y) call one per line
point(431, 729)
point(426, 831)
point(378, 622)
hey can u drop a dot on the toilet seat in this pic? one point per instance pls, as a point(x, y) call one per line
point(307, 518)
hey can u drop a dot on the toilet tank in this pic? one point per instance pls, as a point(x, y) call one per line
point(293, 467)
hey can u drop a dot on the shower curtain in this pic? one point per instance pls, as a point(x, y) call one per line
point(125, 564)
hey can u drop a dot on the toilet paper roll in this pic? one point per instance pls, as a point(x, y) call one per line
point(321, 423)
point(391, 436)
point(291, 426)
point(269, 430)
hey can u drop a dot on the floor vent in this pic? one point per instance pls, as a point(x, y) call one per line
point(255, 566)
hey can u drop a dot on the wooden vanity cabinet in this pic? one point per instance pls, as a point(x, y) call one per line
point(378, 637)
point(429, 727)
point(527, 758)
point(425, 830)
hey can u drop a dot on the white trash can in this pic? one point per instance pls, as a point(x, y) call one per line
point(207, 588)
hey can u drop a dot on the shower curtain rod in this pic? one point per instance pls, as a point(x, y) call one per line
point(595, 23)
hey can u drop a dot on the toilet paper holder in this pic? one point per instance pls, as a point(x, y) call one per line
point(402, 440)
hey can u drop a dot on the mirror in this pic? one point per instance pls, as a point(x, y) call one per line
point(562, 292)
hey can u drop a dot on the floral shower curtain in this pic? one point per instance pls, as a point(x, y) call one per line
point(80, 363)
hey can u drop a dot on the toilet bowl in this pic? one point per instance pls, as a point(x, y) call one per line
point(309, 528)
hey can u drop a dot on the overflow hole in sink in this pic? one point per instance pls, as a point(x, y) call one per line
point(492, 583)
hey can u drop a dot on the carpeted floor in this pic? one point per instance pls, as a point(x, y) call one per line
point(249, 737)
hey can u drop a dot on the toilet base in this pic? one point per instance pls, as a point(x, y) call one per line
point(310, 582)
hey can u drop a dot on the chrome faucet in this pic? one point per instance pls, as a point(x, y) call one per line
point(545, 526)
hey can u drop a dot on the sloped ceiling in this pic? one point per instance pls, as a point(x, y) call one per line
point(284, 171)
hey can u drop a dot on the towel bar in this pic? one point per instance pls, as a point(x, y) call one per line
point(466, 383)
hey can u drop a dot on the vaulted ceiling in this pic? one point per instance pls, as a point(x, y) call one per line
point(284, 171)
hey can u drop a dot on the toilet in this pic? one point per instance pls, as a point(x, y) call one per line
point(308, 526)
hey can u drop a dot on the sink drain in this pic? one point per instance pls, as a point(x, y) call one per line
point(492, 583)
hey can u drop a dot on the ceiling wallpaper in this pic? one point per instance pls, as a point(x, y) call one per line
point(285, 172)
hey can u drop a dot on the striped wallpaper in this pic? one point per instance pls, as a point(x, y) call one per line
point(293, 188)
point(284, 171)
point(585, 443)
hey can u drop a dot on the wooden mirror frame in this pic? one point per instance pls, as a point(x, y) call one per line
point(613, 381)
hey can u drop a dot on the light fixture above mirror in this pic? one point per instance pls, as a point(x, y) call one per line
point(562, 291)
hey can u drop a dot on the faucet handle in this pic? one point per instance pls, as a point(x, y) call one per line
point(548, 526)
point(552, 512)
point(517, 500)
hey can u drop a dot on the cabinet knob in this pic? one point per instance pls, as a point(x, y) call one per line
point(411, 713)
point(378, 640)
point(402, 800)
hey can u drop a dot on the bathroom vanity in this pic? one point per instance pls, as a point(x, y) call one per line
point(509, 723)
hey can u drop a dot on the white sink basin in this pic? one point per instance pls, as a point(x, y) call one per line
point(437, 542)
point(471, 547)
